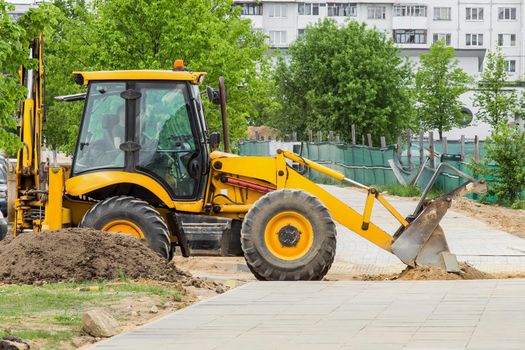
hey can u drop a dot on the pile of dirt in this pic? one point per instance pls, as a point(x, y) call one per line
point(425, 273)
point(433, 273)
point(506, 219)
point(81, 254)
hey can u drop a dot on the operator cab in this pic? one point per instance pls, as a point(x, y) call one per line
point(148, 122)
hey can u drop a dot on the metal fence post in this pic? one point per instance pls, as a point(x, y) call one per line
point(444, 145)
point(462, 144)
point(421, 148)
point(476, 148)
point(409, 149)
point(431, 149)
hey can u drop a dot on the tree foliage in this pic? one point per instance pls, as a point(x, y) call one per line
point(15, 37)
point(439, 83)
point(504, 163)
point(342, 75)
point(12, 55)
point(495, 100)
point(208, 35)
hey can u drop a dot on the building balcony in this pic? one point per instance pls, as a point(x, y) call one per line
point(409, 22)
point(257, 20)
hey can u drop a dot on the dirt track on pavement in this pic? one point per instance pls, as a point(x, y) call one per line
point(505, 219)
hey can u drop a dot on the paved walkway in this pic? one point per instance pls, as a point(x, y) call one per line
point(408, 315)
point(473, 241)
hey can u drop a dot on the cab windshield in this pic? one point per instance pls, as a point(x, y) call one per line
point(102, 129)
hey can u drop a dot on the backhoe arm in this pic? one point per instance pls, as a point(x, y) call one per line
point(38, 201)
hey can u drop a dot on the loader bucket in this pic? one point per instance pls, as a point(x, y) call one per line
point(423, 242)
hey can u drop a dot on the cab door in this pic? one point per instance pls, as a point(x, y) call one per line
point(168, 134)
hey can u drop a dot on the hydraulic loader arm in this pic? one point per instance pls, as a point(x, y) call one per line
point(419, 240)
point(342, 213)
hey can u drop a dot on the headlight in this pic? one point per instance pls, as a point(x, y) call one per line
point(3, 194)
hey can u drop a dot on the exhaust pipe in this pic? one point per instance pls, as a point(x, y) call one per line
point(224, 115)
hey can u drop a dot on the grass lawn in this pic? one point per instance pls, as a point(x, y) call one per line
point(51, 314)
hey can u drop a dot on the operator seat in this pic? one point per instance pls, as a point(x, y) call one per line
point(110, 130)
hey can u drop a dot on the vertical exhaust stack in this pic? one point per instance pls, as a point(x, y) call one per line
point(224, 115)
point(219, 97)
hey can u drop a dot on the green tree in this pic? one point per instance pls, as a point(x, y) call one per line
point(14, 40)
point(141, 34)
point(342, 75)
point(495, 100)
point(439, 83)
point(12, 56)
point(504, 164)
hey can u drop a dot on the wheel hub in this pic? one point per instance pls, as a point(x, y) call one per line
point(289, 236)
point(123, 226)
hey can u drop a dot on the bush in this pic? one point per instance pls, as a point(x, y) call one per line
point(504, 165)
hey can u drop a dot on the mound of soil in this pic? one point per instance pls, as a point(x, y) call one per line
point(433, 273)
point(429, 273)
point(80, 254)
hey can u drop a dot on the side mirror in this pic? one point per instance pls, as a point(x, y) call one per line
point(213, 95)
point(215, 140)
point(467, 116)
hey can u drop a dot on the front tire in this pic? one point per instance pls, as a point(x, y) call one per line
point(129, 215)
point(288, 235)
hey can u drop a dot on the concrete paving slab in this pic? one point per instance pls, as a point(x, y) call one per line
point(349, 315)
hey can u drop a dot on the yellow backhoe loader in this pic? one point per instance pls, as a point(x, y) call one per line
point(145, 165)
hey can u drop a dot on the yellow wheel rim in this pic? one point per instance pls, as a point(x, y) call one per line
point(125, 227)
point(289, 235)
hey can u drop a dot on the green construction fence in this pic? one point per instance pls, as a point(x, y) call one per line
point(370, 165)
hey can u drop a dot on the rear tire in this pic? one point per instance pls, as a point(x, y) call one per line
point(288, 235)
point(133, 216)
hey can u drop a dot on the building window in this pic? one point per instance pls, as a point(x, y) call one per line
point(276, 10)
point(410, 10)
point(250, 9)
point(506, 39)
point(507, 13)
point(15, 16)
point(337, 9)
point(410, 36)
point(376, 12)
point(474, 40)
point(442, 13)
point(510, 66)
point(308, 9)
point(442, 36)
point(277, 37)
point(474, 14)
point(300, 32)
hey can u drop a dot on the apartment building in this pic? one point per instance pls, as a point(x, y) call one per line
point(471, 27)
point(21, 6)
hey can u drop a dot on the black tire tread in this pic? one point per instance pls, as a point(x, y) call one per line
point(154, 227)
point(321, 262)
